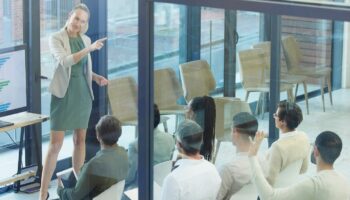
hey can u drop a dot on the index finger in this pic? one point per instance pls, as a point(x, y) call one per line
point(102, 39)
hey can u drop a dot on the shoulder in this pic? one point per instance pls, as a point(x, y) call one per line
point(58, 35)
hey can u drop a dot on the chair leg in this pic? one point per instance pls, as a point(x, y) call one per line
point(329, 85)
point(246, 96)
point(263, 97)
point(322, 94)
point(296, 91)
point(306, 97)
point(257, 105)
point(165, 125)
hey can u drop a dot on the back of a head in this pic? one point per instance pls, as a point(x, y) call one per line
point(290, 113)
point(190, 135)
point(245, 123)
point(108, 129)
point(329, 146)
point(205, 115)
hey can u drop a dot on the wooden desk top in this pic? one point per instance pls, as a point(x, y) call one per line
point(22, 119)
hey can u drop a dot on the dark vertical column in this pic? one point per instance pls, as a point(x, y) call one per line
point(145, 98)
point(265, 27)
point(230, 39)
point(190, 33)
point(97, 30)
point(337, 54)
point(31, 23)
point(274, 74)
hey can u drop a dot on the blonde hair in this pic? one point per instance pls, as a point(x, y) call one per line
point(82, 7)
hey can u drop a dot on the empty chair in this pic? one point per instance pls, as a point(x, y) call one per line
point(285, 77)
point(167, 90)
point(113, 192)
point(293, 56)
point(253, 75)
point(161, 170)
point(122, 95)
point(197, 79)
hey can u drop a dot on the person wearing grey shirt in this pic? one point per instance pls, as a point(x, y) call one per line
point(109, 166)
point(164, 145)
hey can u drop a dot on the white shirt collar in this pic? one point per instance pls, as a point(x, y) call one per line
point(289, 134)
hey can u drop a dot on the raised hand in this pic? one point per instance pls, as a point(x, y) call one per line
point(98, 44)
point(255, 144)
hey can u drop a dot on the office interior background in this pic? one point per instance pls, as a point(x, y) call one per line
point(145, 37)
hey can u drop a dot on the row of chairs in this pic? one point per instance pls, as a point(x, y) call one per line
point(196, 80)
point(255, 69)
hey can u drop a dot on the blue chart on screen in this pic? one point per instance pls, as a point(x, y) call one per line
point(12, 80)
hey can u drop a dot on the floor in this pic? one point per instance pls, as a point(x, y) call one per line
point(336, 118)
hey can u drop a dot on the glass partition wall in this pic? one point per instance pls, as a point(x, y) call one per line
point(262, 53)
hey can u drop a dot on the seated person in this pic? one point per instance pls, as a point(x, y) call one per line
point(202, 110)
point(237, 173)
point(292, 145)
point(109, 166)
point(192, 177)
point(164, 145)
point(326, 185)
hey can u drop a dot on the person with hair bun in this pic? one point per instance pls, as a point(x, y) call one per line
point(71, 89)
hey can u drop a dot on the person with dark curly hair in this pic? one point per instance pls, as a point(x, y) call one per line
point(292, 145)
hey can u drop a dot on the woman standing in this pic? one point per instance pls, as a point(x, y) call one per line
point(71, 89)
point(202, 110)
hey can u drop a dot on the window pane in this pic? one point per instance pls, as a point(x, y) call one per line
point(11, 23)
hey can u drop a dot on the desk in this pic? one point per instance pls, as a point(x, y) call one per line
point(22, 120)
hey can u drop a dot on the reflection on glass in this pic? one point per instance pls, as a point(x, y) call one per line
point(11, 23)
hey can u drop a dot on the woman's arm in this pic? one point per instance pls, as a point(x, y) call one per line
point(100, 80)
point(97, 45)
point(64, 58)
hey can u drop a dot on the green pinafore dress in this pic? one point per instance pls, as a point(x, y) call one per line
point(73, 110)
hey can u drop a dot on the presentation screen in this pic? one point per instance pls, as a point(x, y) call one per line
point(13, 83)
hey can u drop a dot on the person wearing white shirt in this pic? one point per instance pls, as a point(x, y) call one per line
point(237, 173)
point(293, 145)
point(326, 185)
point(192, 177)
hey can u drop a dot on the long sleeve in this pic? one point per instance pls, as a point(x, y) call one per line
point(304, 165)
point(61, 55)
point(274, 164)
point(170, 189)
point(84, 185)
point(226, 183)
point(304, 190)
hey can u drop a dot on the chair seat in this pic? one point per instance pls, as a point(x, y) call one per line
point(266, 87)
point(175, 109)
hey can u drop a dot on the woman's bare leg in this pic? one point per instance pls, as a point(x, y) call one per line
point(56, 141)
point(78, 157)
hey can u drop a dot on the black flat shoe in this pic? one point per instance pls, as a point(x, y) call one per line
point(48, 195)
